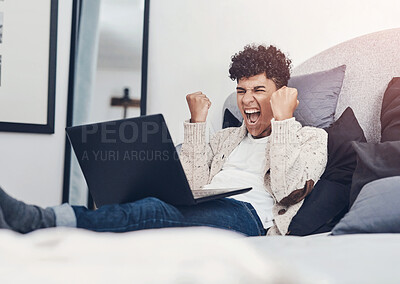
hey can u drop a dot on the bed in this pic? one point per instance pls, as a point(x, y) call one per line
point(195, 255)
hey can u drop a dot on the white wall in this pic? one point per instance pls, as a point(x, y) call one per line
point(191, 42)
point(32, 165)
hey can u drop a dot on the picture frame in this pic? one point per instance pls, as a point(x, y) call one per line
point(28, 61)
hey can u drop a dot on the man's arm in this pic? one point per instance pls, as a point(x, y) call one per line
point(196, 154)
point(298, 158)
point(298, 155)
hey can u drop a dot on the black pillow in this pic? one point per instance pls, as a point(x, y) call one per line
point(328, 201)
point(374, 161)
point(342, 158)
point(390, 114)
point(230, 120)
point(322, 209)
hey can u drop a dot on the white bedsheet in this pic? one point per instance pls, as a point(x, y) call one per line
point(181, 255)
point(195, 255)
point(363, 258)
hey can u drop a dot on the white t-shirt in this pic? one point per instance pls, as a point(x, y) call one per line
point(245, 168)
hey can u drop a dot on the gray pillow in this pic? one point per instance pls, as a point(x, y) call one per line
point(318, 96)
point(376, 209)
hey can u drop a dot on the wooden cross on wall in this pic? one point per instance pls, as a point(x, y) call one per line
point(125, 101)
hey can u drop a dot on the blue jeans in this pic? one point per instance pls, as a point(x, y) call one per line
point(152, 213)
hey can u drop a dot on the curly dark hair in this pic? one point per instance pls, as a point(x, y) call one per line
point(254, 60)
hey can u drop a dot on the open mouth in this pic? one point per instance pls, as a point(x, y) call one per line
point(252, 115)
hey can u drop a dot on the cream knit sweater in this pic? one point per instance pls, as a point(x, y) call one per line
point(294, 155)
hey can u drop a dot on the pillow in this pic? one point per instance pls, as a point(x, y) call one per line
point(328, 201)
point(376, 209)
point(318, 95)
point(342, 158)
point(230, 120)
point(322, 209)
point(390, 114)
point(374, 161)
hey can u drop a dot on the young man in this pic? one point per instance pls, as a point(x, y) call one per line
point(270, 152)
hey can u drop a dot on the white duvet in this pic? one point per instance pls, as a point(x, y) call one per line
point(181, 255)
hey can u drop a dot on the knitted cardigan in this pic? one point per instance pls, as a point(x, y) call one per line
point(296, 157)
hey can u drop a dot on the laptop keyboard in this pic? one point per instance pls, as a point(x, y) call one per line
point(209, 192)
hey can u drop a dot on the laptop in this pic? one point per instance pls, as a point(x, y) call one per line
point(131, 159)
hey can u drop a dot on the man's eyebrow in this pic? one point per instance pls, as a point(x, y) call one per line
point(255, 88)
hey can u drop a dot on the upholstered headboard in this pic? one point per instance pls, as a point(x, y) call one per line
point(371, 60)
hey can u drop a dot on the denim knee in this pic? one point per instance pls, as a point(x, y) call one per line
point(152, 207)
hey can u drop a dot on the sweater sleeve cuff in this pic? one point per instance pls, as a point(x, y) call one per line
point(284, 131)
point(194, 133)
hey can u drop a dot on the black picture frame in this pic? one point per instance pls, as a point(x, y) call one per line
point(47, 128)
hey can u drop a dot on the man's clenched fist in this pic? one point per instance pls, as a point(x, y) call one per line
point(198, 105)
point(284, 102)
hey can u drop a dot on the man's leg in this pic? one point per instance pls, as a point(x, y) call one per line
point(152, 213)
point(147, 213)
point(23, 218)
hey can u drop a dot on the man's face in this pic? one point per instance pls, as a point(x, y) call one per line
point(253, 99)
